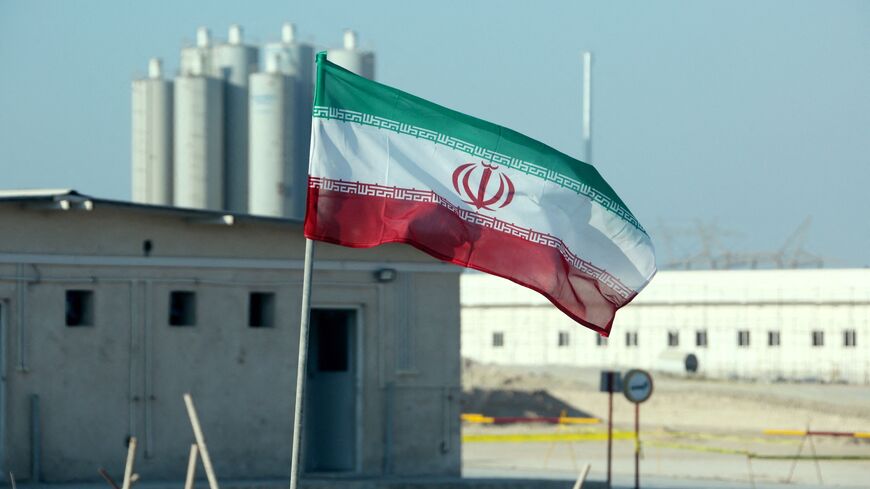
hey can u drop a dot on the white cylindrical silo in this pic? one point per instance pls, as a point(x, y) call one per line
point(352, 58)
point(197, 58)
point(233, 62)
point(294, 58)
point(294, 61)
point(152, 138)
point(199, 145)
point(277, 182)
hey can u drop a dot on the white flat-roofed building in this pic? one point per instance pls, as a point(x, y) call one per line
point(767, 324)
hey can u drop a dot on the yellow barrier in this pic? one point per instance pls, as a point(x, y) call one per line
point(481, 419)
point(785, 432)
point(567, 420)
point(845, 434)
point(477, 418)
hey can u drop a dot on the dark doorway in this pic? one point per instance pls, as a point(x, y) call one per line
point(331, 392)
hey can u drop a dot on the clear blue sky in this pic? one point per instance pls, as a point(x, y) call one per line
point(755, 114)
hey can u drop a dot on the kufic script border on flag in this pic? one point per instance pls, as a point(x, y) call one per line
point(417, 195)
point(526, 167)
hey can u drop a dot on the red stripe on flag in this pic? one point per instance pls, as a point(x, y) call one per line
point(362, 221)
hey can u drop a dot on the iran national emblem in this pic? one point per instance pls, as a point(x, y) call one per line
point(494, 189)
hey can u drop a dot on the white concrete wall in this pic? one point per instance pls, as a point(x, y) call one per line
point(125, 374)
point(793, 302)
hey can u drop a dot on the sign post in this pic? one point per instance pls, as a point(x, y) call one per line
point(610, 382)
point(638, 387)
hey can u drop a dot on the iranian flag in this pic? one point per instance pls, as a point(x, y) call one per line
point(389, 167)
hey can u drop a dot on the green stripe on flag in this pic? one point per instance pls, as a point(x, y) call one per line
point(343, 95)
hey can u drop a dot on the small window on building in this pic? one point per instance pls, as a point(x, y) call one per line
point(564, 339)
point(261, 310)
point(498, 339)
point(743, 338)
point(818, 338)
point(673, 339)
point(600, 340)
point(631, 338)
point(79, 308)
point(182, 308)
point(773, 338)
point(701, 338)
point(849, 338)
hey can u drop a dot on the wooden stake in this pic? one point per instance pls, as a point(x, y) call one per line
point(103, 472)
point(128, 468)
point(580, 480)
point(200, 441)
point(191, 467)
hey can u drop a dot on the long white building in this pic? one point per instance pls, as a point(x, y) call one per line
point(766, 324)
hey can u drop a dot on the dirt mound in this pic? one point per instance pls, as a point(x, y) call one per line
point(508, 391)
point(503, 402)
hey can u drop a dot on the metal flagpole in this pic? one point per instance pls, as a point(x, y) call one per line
point(587, 107)
point(302, 363)
point(637, 445)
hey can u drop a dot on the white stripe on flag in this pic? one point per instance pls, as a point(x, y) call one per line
point(358, 153)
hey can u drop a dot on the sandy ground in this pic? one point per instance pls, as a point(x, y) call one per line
point(692, 429)
point(683, 404)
